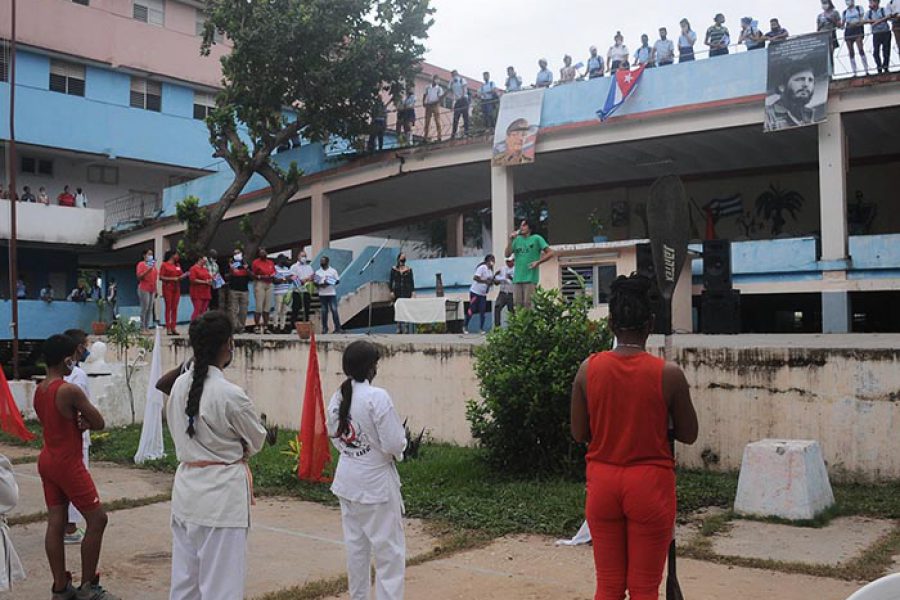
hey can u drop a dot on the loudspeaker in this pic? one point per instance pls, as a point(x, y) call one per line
point(662, 325)
point(716, 265)
point(720, 312)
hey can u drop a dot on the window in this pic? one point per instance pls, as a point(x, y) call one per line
point(82, 2)
point(201, 25)
point(4, 61)
point(66, 78)
point(103, 174)
point(150, 11)
point(36, 166)
point(146, 94)
point(204, 103)
point(593, 281)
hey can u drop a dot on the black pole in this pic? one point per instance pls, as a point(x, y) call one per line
point(11, 169)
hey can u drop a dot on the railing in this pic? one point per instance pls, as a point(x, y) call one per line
point(131, 210)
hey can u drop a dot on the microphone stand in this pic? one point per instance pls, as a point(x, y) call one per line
point(363, 270)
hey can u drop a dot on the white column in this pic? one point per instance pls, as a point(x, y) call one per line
point(502, 198)
point(321, 221)
point(833, 167)
point(455, 235)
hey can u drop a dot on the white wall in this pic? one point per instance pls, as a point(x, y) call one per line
point(52, 224)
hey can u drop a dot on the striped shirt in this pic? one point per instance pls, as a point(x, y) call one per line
point(718, 35)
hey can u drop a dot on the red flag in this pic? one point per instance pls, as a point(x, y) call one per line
point(10, 418)
point(315, 451)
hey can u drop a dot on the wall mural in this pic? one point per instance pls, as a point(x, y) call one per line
point(774, 202)
point(861, 215)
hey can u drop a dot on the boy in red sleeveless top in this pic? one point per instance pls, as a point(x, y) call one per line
point(623, 402)
point(64, 412)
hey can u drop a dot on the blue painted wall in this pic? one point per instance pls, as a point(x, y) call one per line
point(39, 320)
point(102, 121)
point(700, 81)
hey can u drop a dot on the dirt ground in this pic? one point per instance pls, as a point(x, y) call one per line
point(292, 543)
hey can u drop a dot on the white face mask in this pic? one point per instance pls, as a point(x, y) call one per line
point(849, 3)
point(238, 257)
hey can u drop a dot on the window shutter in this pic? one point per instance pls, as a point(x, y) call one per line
point(141, 13)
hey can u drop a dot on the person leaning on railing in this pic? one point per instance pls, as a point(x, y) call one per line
point(489, 98)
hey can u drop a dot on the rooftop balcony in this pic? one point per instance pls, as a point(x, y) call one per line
point(53, 224)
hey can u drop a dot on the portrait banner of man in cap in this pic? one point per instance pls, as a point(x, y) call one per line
point(517, 127)
point(798, 76)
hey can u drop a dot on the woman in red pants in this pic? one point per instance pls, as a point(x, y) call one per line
point(622, 404)
point(170, 274)
point(201, 287)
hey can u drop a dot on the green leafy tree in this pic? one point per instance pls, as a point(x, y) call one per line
point(525, 373)
point(310, 68)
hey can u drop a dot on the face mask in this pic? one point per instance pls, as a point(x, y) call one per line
point(238, 257)
point(84, 355)
point(149, 259)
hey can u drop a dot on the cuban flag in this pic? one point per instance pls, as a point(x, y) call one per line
point(726, 207)
point(622, 87)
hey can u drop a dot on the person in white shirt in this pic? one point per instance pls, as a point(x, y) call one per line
point(663, 49)
point(483, 279)
point(504, 277)
point(75, 534)
point(513, 81)
point(894, 10)
point(432, 102)
point(325, 279)
point(215, 430)
point(368, 434)
point(545, 76)
point(686, 42)
point(282, 290)
point(489, 98)
point(10, 566)
point(459, 92)
point(81, 200)
point(617, 56)
point(302, 277)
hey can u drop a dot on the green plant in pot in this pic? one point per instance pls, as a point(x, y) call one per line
point(99, 326)
point(597, 228)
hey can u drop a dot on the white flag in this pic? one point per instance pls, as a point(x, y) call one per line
point(151, 444)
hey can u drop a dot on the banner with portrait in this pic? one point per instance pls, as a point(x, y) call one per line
point(517, 127)
point(798, 76)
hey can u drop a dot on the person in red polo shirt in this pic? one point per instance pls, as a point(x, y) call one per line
point(66, 198)
point(147, 276)
point(624, 403)
point(201, 287)
point(170, 274)
point(263, 271)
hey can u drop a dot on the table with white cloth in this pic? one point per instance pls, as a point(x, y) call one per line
point(427, 310)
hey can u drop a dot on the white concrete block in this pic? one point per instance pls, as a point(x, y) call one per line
point(783, 478)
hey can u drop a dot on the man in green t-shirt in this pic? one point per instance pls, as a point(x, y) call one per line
point(530, 251)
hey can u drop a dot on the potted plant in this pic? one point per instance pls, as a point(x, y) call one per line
point(597, 228)
point(99, 326)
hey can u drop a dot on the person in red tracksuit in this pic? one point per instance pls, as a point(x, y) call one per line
point(170, 274)
point(623, 402)
point(201, 287)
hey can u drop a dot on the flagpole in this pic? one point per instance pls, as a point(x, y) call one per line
point(11, 170)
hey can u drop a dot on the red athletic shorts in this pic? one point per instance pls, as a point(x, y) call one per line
point(68, 481)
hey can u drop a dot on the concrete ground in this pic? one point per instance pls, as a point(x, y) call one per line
point(292, 543)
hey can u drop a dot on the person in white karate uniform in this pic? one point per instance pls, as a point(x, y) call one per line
point(10, 566)
point(215, 429)
point(366, 430)
point(74, 533)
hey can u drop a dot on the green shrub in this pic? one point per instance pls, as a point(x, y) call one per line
point(525, 373)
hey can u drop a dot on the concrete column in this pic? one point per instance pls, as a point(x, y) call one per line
point(502, 198)
point(833, 166)
point(455, 235)
point(321, 221)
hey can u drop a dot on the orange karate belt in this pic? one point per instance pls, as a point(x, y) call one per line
point(214, 463)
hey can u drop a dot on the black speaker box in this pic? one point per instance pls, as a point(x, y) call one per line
point(663, 323)
point(716, 265)
point(720, 312)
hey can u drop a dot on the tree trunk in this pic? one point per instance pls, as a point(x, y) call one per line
point(217, 214)
point(282, 191)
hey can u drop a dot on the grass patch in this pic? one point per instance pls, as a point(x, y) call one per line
point(114, 505)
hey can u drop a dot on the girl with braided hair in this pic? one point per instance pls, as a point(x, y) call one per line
point(216, 430)
point(623, 404)
point(366, 430)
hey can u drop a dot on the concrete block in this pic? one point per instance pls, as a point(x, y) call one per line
point(783, 478)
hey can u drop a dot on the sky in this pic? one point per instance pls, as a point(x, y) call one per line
point(477, 35)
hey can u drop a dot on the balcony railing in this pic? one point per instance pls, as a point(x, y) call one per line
point(131, 210)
